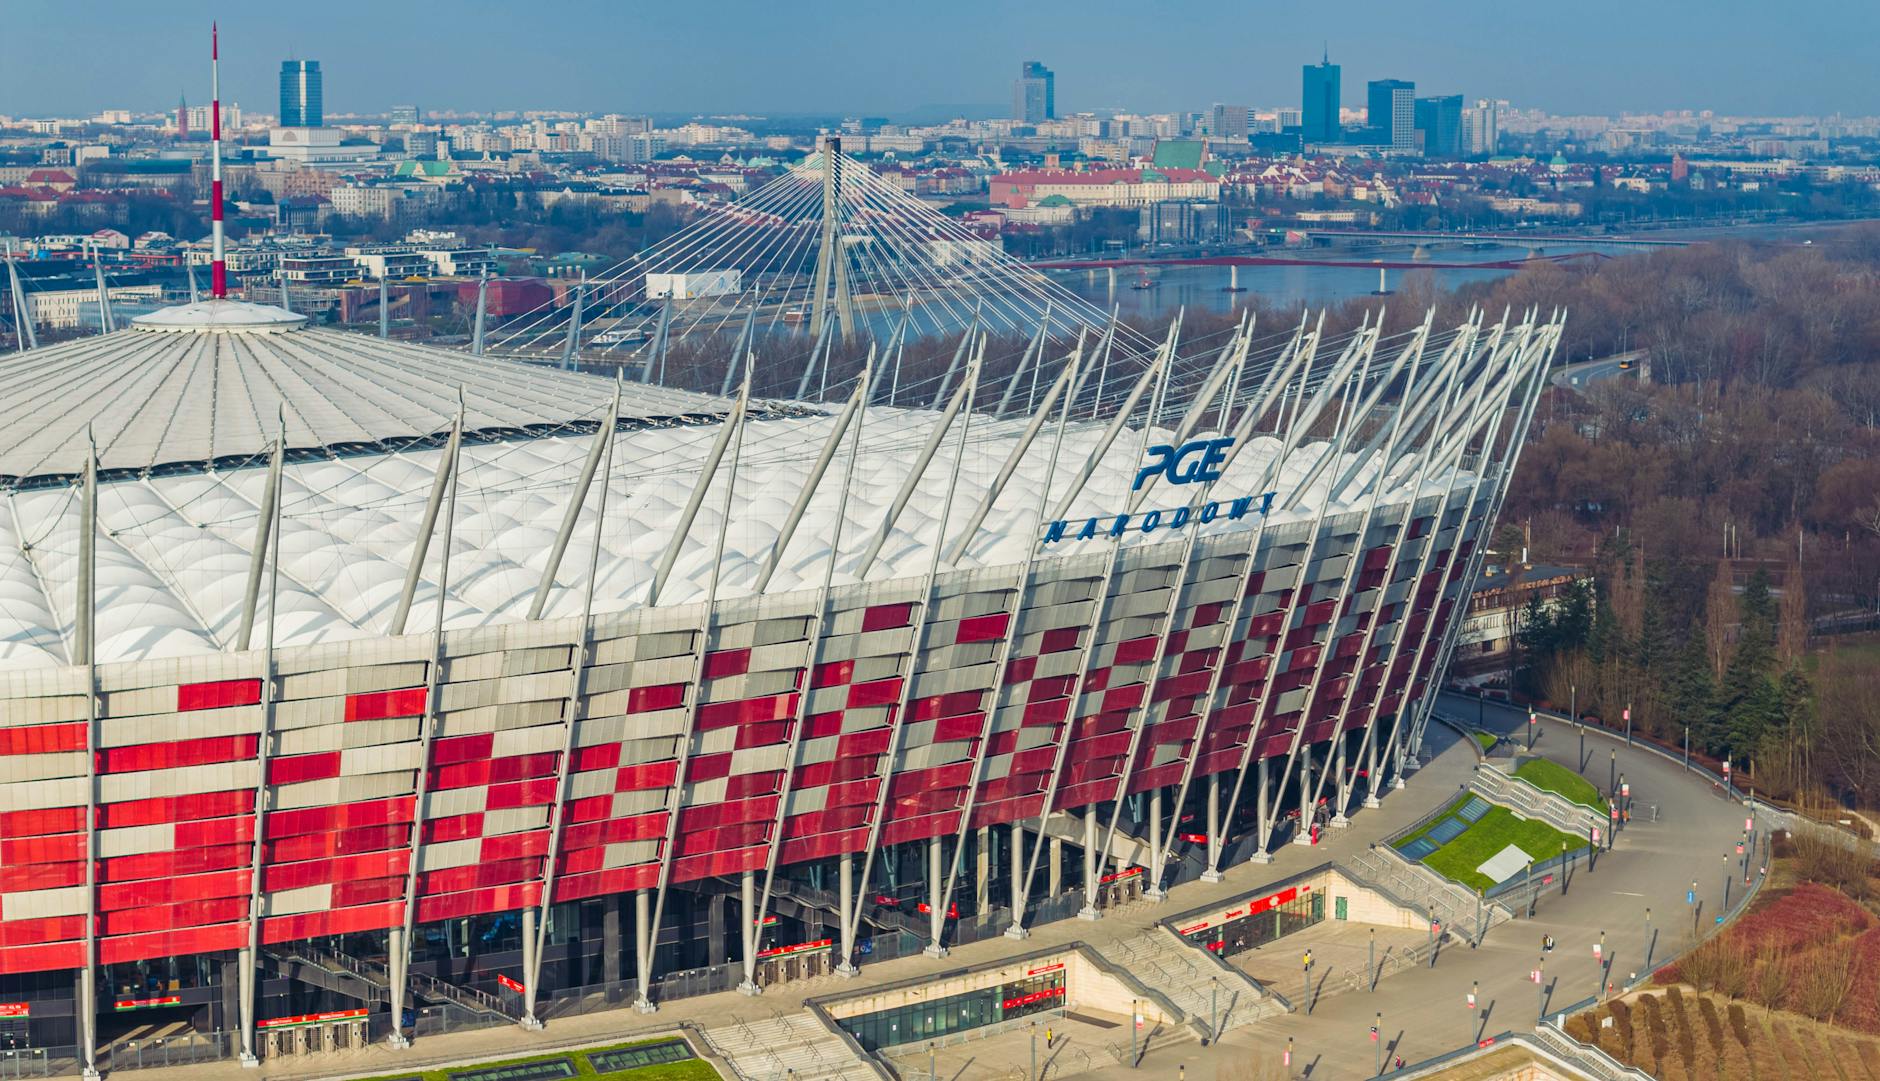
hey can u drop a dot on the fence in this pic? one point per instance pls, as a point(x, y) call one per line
point(181, 1049)
point(38, 1061)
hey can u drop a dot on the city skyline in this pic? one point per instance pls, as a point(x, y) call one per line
point(1111, 58)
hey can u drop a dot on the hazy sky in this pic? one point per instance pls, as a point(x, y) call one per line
point(880, 58)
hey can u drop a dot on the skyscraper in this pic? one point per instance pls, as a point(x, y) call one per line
point(1439, 125)
point(1481, 127)
point(1392, 105)
point(1230, 122)
point(300, 94)
point(1318, 106)
point(1034, 94)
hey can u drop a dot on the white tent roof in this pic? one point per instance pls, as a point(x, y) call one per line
point(173, 550)
point(202, 383)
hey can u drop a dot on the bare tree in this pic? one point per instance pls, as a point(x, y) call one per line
point(1847, 696)
point(1720, 618)
point(1792, 616)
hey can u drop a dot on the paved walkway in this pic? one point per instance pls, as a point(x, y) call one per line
point(1341, 958)
point(1425, 1011)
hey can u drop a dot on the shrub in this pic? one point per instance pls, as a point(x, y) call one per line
point(1713, 1024)
point(1863, 1003)
point(1655, 1029)
point(1810, 914)
point(1680, 1024)
point(1622, 1022)
point(1580, 1027)
point(1834, 861)
point(1739, 1024)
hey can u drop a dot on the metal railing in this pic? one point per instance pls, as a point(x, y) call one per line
point(38, 1061)
point(1461, 912)
point(181, 1049)
point(1520, 794)
point(1585, 1056)
point(469, 999)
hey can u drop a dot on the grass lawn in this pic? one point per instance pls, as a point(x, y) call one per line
point(692, 1069)
point(1558, 779)
point(1448, 812)
point(1494, 831)
point(1486, 739)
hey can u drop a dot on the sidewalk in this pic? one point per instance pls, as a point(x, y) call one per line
point(1437, 781)
point(1425, 1011)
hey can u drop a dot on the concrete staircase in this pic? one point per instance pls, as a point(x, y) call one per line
point(1528, 801)
point(1128, 849)
point(1164, 962)
point(339, 974)
point(1460, 911)
point(789, 1047)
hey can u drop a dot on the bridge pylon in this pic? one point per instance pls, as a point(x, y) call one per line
point(832, 263)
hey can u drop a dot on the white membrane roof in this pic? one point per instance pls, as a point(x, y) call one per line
point(204, 383)
point(173, 550)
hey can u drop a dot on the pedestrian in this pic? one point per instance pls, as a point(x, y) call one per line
point(1047, 1038)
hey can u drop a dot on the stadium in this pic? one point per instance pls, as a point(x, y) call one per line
point(356, 688)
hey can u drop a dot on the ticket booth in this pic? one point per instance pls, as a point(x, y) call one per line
point(312, 1034)
point(781, 964)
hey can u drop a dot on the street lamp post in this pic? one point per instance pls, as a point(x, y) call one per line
point(1370, 963)
point(1475, 988)
point(1377, 1041)
point(1540, 986)
point(1648, 937)
point(1034, 1051)
point(1612, 771)
point(1687, 748)
point(1135, 1011)
point(1533, 723)
point(1628, 724)
point(1600, 965)
point(933, 1073)
point(1214, 1007)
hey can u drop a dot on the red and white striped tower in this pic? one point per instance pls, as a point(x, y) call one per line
point(218, 267)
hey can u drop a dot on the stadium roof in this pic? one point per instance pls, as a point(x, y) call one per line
point(201, 385)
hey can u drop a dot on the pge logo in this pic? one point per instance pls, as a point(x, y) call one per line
point(1199, 460)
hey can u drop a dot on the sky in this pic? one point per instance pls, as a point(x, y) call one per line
point(767, 57)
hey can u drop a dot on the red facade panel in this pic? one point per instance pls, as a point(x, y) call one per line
point(217, 694)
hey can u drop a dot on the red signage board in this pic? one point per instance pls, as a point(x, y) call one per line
point(147, 1003)
point(16, 1009)
point(513, 985)
point(1034, 997)
point(1041, 970)
point(311, 1019)
point(801, 947)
